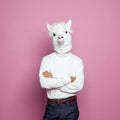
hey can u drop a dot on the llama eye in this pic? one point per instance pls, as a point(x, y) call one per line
point(54, 34)
point(66, 32)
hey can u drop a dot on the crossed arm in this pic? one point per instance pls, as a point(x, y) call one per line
point(68, 84)
point(73, 87)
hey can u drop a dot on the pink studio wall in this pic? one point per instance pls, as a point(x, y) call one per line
point(24, 40)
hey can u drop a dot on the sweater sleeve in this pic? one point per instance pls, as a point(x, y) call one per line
point(50, 83)
point(77, 85)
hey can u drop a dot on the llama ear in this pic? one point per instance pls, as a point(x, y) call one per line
point(49, 27)
point(68, 24)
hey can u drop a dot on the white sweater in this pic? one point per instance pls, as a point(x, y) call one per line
point(61, 67)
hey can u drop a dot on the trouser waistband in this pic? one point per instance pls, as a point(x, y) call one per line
point(62, 101)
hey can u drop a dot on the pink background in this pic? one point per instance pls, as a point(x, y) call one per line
point(24, 40)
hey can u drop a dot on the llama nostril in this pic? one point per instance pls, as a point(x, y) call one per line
point(60, 37)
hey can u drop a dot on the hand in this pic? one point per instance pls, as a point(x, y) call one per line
point(47, 74)
point(72, 78)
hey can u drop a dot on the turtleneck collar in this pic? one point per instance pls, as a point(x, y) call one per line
point(62, 55)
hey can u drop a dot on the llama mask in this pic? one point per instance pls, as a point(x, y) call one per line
point(61, 36)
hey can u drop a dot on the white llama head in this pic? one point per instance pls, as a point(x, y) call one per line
point(61, 36)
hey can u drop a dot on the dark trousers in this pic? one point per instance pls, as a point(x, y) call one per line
point(60, 111)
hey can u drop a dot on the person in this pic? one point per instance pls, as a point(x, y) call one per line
point(62, 75)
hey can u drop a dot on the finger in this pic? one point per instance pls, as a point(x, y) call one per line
point(46, 72)
point(45, 76)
